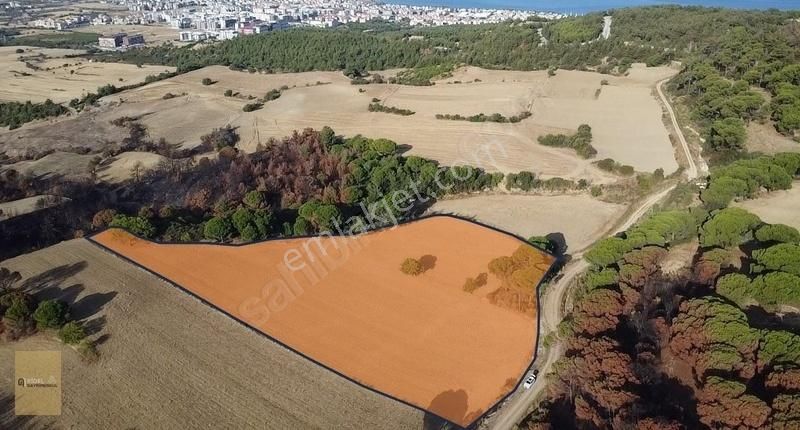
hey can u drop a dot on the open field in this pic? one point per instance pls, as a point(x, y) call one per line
point(161, 356)
point(625, 115)
point(76, 166)
point(778, 207)
point(764, 138)
point(25, 206)
point(344, 303)
point(67, 78)
point(580, 218)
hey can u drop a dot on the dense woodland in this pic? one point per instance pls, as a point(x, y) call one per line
point(718, 338)
point(310, 182)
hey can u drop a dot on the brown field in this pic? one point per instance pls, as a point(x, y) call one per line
point(764, 138)
point(344, 303)
point(75, 166)
point(625, 116)
point(59, 83)
point(580, 218)
point(778, 207)
point(25, 206)
point(168, 361)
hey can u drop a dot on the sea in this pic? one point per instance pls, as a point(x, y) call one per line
point(586, 6)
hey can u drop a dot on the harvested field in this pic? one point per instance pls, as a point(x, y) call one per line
point(579, 218)
point(76, 166)
point(59, 78)
point(625, 116)
point(344, 303)
point(64, 164)
point(27, 205)
point(777, 207)
point(122, 166)
point(168, 361)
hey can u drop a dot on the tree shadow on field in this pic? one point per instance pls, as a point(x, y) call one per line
point(428, 262)
point(52, 277)
point(8, 419)
point(90, 305)
point(452, 403)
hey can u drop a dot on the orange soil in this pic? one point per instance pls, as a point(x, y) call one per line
point(420, 339)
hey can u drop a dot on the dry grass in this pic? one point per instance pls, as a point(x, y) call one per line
point(764, 138)
point(168, 361)
point(778, 207)
point(580, 218)
point(61, 83)
point(625, 117)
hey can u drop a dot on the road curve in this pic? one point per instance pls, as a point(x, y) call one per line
point(515, 408)
point(551, 315)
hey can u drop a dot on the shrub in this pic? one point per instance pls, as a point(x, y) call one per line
point(228, 93)
point(19, 307)
point(250, 107)
point(411, 266)
point(218, 228)
point(103, 218)
point(472, 284)
point(135, 224)
point(50, 314)
point(208, 81)
point(71, 333)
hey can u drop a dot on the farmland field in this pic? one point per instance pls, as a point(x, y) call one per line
point(580, 218)
point(60, 78)
point(168, 361)
point(624, 115)
point(345, 303)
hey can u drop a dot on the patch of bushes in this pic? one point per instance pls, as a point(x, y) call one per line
point(580, 141)
point(609, 165)
point(495, 117)
point(377, 107)
point(14, 114)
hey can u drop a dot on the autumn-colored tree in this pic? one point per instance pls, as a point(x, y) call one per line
point(725, 404)
point(598, 311)
point(785, 412)
point(783, 378)
point(103, 217)
point(711, 334)
point(598, 368)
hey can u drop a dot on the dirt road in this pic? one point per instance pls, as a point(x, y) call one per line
point(517, 405)
point(691, 171)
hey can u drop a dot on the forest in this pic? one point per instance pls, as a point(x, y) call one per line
point(307, 183)
point(708, 339)
point(718, 338)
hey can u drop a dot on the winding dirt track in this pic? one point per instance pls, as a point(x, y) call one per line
point(553, 306)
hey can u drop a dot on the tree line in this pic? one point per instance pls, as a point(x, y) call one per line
point(704, 337)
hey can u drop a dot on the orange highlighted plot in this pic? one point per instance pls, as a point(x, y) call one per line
point(433, 339)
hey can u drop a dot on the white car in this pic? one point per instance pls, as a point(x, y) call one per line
point(530, 379)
